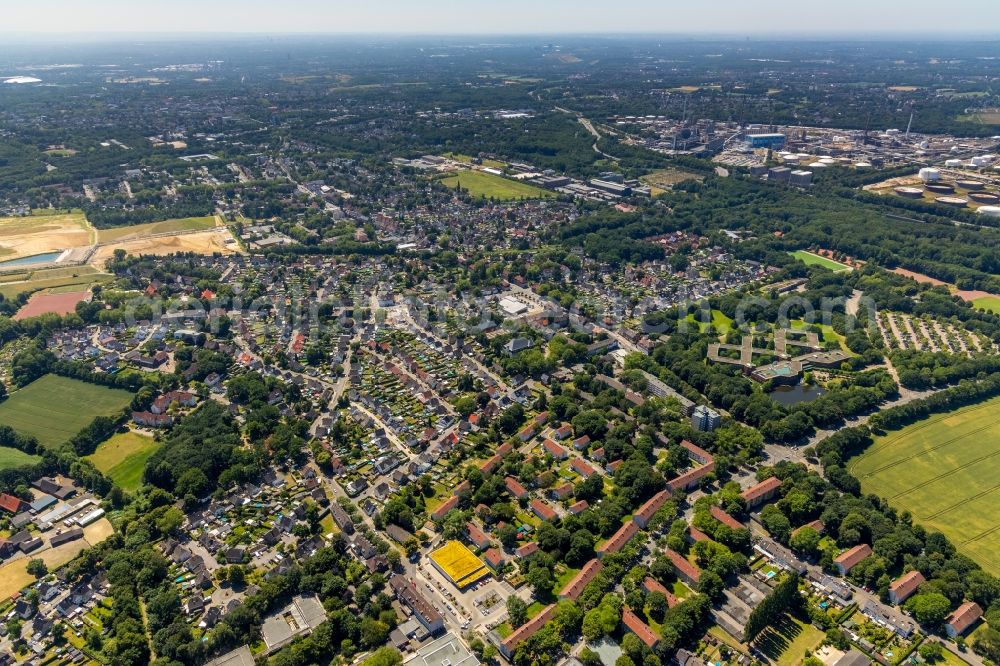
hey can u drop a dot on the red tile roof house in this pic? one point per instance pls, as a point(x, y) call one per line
point(650, 584)
point(963, 618)
point(541, 418)
point(574, 588)
point(563, 491)
point(762, 492)
point(543, 510)
point(461, 488)
point(725, 518)
point(564, 431)
point(686, 571)
point(515, 488)
point(477, 536)
point(618, 540)
point(651, 506)
point(582, 468)
point(635, 624)
point(613, 466)
point(904, 586)
point(494, 558)
point(698, 453)
point(694, 535)
point(12, 505)
point(581, 443)
point(526, 631)
point(691, 478)
point(445, 507)
point(849, 559)
point(578, 507)
point(527, 550)
point(555, 450)
point(597, 454)
point(490, 464)
point(526, 433)
point(505, 448)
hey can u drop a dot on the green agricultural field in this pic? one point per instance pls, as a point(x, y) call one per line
point(945, 470)
point(54, 408)
point(490, 186)
point(13, 458)
point(123, 458)
point(75, 278)
point(810, 259)
point(991, 303)
point(153, 228)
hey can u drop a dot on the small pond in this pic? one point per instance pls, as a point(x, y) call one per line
point(793, 395)
point(33, 260)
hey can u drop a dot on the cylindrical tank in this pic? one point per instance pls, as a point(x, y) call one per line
point(984, 197)
point(930, 175)
point(909, 192)
point(989, 211)
point(954, 202)
point(940, 188)
point(953, 163)
point(969, 184)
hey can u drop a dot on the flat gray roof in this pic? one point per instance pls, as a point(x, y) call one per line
point(445, 651)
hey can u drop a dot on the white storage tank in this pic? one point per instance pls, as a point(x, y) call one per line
point(989, 211)
point(930, 175)
point(953, 163)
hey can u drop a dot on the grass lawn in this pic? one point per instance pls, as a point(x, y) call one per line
point(990, 303)
point(720, 321)
point(14, 458)
point(944, 470)
point(482, 184)
point(123, 458)
point(810, 259)
point(54, 408)
point(166, 226)
point(78, 277)
point(787, 641)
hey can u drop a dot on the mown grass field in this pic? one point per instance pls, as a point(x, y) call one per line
point(153, 228)
point(945, 470)
point(810, 259)
point(123, 458)
point(991, 303)
point(13, 458)
point(54, 408)
point(787, 642)
point(490, 186)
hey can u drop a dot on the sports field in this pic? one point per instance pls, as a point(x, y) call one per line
point(14, 458)
point(945, 470)
point(123, 458)
point(54, 408)
point(482, 184)
point(459, 564)
point(164, 227)
point(810, 259)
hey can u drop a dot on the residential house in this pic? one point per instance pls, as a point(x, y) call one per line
point(964, 617)
point(850, 558)
point(619, 539)
point(761, 492)
point(901, 588)
point(574, 588)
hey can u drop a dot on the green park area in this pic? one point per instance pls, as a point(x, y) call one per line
point(944, 471)
point(810, 259)
point(123, 458)
point(491, 186)
point(54, 408)
point(787, 641)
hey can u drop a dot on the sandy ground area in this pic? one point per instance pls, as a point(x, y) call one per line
point(965, 294)
point(25, 236)
point(206, 242)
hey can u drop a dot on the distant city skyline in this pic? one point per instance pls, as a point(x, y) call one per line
point(843, 18)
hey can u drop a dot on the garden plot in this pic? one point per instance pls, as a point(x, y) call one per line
point(429, 365)
point(408, 415)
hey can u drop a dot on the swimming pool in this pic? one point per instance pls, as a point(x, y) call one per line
point(44, 258)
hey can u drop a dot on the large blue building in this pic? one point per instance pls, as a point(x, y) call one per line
point(772, 141)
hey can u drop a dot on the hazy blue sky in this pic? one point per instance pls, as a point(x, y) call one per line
point(739, 17)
